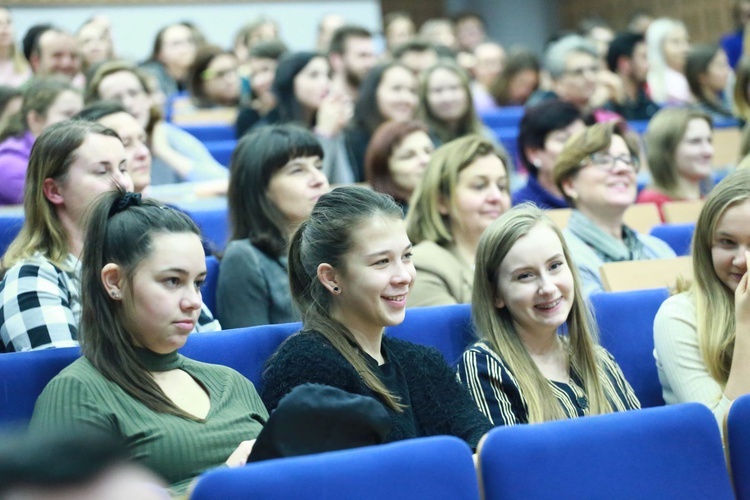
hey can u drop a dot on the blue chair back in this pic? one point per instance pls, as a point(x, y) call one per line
point(508, 116)
point(213, 223)
point(10, 225)
point(669, 452)
point(208, 290)
point(677, 236)
point(23, 377)
point(446, 328)
point(210, 132)
point(626, 326)
point(222, 150)
point(737, 437)
point(439, 468)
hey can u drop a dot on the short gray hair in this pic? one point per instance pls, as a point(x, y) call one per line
point(558, 52)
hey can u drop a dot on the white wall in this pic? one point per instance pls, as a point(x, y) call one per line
point(134, 27)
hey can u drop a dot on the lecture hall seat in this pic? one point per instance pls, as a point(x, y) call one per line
point(737, 440)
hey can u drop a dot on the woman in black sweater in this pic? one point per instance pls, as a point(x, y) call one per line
point(350, 272)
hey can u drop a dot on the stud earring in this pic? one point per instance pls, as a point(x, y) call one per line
point(115, 294)
point(335, 289)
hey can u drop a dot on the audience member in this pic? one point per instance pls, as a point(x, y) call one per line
point(542, 134)
point(668, 46)
point(464, 189)
point(260, 70)
point(599, 33)
point(276, 178)
point(327, 26)
point(518, 80)
point(741, 92)
point(417, 55)
point(352, 55)
point(733, 43)
point(389, 92)
point(707, 71)
point(573, 65)
point(261, 29)
point(523, 370)
point(172, 55)
point(143, 266)
point(470, 30)
point(213, 80)
point(489, 62)
point(46, 101)
point(40, 295)
point(440, 32)
point(14, 70)
point(639, 21)
point(446, 106)
point(396, 159)
point(53, 51)
point(95, 44)
point(680, 156)
point(177, 155)
point(11, 100)
point(596, 172)
point(350, 271)
point(398, 28)
point(628, 59)
point(699, 334)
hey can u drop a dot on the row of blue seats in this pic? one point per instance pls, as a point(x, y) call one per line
point(670, 452)
point(625, 320)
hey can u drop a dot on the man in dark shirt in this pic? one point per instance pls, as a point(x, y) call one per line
point(628, 58)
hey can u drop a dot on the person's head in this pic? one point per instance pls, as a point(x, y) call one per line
point(275, 180)
point(490, 60)
point(518, 79)
point(94, 42)
point(597, 31)
point(707, 71)
point(679, 146)
point(596, 170)
point(572, 63)
point(121, 81)
point(301, 83)
point(46, 101)
point(398, 28)
point(526, 285)
point(175, 47)
point(470, 30)
point(142, 268)
point(741, 13)
point(352, 53)
point(261, 64)
point(7, 36)
point(396, 158)
point(416, 54)
point(71, 163)
point(464, 189)
point(328, 24)
point(439, 32)
point(113, 115)
point(213, 78)
point(260, 29)
point(96, 465)
point(668, 44)
point(389, 92)
point(720, 243)
point(11, 100)
point(741, 92)
point(445, 101)
point(628, 57)
point(30, 42)
point(542, 133)
point(350, 271)
point(55, 52)
point(639, 21)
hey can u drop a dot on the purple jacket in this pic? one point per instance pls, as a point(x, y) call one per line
point(14, 160)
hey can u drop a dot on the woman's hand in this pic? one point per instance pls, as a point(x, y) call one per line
point(333, 114)
point(238, 458)
point(742, 303)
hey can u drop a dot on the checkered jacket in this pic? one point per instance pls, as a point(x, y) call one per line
point(40, 306)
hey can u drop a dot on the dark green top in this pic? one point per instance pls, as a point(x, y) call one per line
point(176, 448)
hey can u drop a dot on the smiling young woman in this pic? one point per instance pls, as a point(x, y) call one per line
point(523, 370)
point(350, 271)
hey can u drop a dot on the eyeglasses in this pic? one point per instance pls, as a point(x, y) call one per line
point(581, 71)
point(209, 74)
point(606, 162)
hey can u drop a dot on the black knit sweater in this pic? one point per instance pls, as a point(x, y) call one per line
point(440, 404)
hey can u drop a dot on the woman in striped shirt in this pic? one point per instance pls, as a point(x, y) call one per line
point(527, 366)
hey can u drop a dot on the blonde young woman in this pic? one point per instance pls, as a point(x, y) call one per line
point(680, 156)
point(464, 189)
point(701, 340)
point(523, 370)
point(14, 70)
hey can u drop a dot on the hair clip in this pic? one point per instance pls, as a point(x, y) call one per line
point(127, 200)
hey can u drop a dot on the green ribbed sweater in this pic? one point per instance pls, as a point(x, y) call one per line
point(176, 448)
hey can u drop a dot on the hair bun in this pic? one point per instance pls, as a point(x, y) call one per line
point(123, 202)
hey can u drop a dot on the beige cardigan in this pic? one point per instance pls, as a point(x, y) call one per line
point(443, 277)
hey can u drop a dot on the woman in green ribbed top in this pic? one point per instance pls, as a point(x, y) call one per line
point(143, 265)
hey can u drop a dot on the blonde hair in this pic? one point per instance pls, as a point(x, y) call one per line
point(496, 327)
point(424, 221)
point(714, 302)
point(663, 135)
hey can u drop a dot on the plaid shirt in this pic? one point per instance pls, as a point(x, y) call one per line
point(40, 306)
